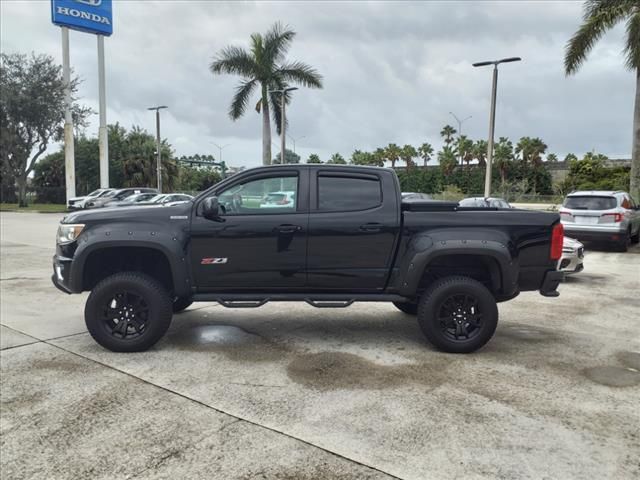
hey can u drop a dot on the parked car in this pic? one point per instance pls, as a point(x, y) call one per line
point(117, 195)
point(167, 198)
point(279, 200)
point(572, 260)
point(77, 203)
point(131, 200)
point(409, 196)
point(484, 202)
point(605, 216)
point(346, 238)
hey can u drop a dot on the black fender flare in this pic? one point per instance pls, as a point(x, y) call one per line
point(422, 249)
point(172, 245)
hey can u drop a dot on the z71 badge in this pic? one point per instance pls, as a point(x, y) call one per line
point(212, 261)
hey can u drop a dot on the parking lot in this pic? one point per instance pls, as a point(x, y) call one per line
point(287, 391)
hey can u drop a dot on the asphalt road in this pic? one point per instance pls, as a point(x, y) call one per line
point(287, 391)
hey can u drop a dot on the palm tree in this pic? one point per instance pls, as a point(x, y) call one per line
point(425, 151)
point(314, 158)
point(392, 152)
point(264, 66)
point(480, 152)
point(502, 157)
point(407, 154)
point(600, 16)
point(464, 146)
point(531, 150)
point(337, 159)
point(447, 133)
point(447, 159)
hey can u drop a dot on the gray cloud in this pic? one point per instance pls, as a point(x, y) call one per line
point(393, 71)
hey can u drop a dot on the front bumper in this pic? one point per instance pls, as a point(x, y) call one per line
point(62, 273)
point(550, 283)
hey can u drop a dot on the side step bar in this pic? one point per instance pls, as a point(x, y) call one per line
point(318, 300)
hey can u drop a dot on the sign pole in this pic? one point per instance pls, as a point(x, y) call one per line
point(69, 160)
point(103, 139)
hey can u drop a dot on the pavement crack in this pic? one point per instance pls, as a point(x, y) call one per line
point(255, 384)
point(9, 279)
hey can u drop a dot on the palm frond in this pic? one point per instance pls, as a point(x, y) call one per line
point(277, 42)
point(300, 73)
point(632, 48)
point(234, 60)
point(241, 98)
point(599, 16)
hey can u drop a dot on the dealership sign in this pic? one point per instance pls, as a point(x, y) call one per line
point(91, 16)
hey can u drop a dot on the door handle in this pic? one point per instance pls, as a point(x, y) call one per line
point(371, 227)
point(286, 228)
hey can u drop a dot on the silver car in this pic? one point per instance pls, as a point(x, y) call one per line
point(572, 260)
point(605, 216)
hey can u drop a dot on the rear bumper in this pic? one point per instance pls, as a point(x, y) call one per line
point(595, 233)
point(550, 283)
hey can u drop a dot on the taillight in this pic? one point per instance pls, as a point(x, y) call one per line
point(557, 239)
point(566, 213)
point(617, 217)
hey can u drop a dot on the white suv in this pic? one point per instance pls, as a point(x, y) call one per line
point(607, 216)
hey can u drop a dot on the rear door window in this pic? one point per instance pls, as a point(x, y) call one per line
point(590, 203)
point(348, 194)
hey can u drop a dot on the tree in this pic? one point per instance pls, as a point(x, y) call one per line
point(447, 133)
point(480, 152)
point(531, 150)
point(569, 157)
point(314, 158)
point(407, 154)
point(600, 16)
point(139, 163)
point(464, 146)
point(289, 157)
point(392, 153)
point(447, 160)
point(337, 159)
point(264, 67)
point(48, 178)
point(32, 106)
point(552, 158)
point(366, 158)
point(502, 158)
point(425, 151)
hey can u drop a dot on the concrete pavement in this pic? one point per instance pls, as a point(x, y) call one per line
point(289, 391)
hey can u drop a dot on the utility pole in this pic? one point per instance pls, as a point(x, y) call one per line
point(492, 117)
point(283, 121)
point(158, 144)
point(220, 148)
point(69, 152)
point(294, 140)
point(103, 139)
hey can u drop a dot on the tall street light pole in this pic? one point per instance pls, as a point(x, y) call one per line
point(294, 140)
point(159, 157)
point(220, 148)
point(460, 122)
point(283, 121)
point(492, 117)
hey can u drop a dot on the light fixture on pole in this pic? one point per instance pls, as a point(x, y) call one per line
point(492, 116)
point(294, 140)
point(283, 121)
point(159, 157)
point(220, 148)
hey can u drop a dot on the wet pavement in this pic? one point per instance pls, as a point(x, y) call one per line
point(289, 391)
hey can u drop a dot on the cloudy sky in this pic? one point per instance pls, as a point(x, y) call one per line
point(392, 72)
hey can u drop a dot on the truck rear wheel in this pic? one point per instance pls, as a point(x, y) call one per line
point(458, 314)
point(128, 312)
point(407, 307)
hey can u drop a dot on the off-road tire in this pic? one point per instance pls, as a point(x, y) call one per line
point(432, 303)
point(180, 304)
point(407, 307)
point(154, 314)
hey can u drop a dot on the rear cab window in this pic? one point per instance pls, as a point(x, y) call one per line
point(337, 193)
point(590, 202)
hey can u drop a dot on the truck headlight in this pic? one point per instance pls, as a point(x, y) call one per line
point(68, 233)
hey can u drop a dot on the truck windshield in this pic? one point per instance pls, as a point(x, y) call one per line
point(590, 203)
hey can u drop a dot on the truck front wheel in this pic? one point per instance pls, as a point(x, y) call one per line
point(458, 314)
point(128, 312)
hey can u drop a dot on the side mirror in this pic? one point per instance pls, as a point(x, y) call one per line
point(211, 208)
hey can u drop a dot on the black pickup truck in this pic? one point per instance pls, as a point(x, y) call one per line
point(326, 235)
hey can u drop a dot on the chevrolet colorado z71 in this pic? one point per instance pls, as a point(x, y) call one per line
point(326, 235)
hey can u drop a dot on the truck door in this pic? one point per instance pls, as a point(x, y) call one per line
point(353, 224)
point(261, 239)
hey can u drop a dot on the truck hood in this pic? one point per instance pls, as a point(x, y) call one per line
point(146, 213)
